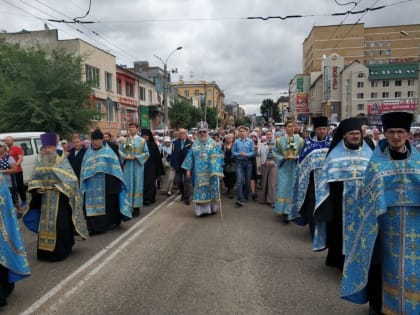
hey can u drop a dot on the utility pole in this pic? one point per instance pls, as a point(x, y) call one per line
point(165, 102)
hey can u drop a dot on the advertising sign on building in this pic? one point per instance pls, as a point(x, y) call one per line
point(302, 103)
point(144, 117)
point(392, 105)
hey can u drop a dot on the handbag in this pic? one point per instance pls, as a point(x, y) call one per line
point(230, 168)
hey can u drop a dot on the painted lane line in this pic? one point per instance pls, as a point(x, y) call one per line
point(55, 290)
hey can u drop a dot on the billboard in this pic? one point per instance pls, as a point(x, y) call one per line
point(379, 107)
point(302, 103)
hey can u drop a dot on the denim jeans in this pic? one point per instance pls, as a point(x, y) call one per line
point(243, 178)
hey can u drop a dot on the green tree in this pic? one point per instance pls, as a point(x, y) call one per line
point(42, 92)
point(269, 109)
point(180, 114)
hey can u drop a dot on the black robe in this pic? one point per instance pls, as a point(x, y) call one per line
point(76, 160)
point(153, 168)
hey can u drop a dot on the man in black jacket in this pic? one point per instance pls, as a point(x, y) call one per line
point(181, 147)
point(76, 154)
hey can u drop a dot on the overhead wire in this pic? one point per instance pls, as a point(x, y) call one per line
point(116, 46)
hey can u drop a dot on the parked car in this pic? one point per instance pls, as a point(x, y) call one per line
point(30, 143)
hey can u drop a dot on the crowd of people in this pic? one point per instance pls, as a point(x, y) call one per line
point(356, 188)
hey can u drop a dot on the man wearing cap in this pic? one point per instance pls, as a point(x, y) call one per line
point(341, 176)
point(181, 147)
point(204, 161)
point(308, 172)
point(286, 152)
point(133, 155)
point(102, 183)
point(243, 151)
point(388, 223)
point(55, 211)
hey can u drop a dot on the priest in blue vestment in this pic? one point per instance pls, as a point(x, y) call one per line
point(102, 183)
point(308, 172)
point(341, 176)
point(388, 223)
point(134, 154)
point(55, 211)
point(204, 163)
point(13, 261)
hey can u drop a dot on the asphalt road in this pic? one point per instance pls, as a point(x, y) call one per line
point(167, 261)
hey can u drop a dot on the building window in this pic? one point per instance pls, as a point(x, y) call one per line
point(397, 94)
point(98, 111)
point(196, 92)
point(149, 96)
point(208, 102)
point(129, 89)
point(385, 83)
point(372, 44)
point(187, 93)
point(108, 81)
point(361, 75)
point(373, 95)
point(388, 52)
point(142, 93)
point(397, 82)
point(360, 106)
point(411, 94)
point(360, 85)
point(410, 82)
point(119, 87)
point(92, 75)
point(110, 111)
point(374, 83)
point(385, 94)
point(360, 96)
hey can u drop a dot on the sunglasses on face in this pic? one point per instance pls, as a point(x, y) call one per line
point(202, 131)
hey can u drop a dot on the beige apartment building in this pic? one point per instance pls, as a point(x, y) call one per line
point(342, 91)
point(203, 93)
point(369, 45)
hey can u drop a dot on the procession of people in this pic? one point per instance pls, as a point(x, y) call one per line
point(359, 197)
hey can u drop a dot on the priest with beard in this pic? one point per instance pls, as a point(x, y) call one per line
point(55, 211)
point(341, 177)
point(103, 187)
point(204, 163)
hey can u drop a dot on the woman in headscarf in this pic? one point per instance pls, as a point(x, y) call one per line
point(153, 168)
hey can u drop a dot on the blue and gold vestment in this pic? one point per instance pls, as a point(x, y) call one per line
point(388, 209)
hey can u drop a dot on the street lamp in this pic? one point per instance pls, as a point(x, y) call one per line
point(166, 86)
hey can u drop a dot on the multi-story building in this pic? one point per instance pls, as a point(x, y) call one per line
point(344, 91)
point(369, 45)
point(128, 96)
point(203, 93)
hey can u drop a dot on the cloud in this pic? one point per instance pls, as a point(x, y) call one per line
point(245, 57)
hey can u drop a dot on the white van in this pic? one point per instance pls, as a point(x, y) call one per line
point(30, 142)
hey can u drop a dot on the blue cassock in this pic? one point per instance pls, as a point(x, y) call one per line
point(12, 250)
point(347, 166)
point(286, 173)
point(388, 207)
point(310, 159)
point(134, 169)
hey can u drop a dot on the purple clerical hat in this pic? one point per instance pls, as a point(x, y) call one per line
point(49, 139)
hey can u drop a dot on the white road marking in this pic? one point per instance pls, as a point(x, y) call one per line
point(46, 297)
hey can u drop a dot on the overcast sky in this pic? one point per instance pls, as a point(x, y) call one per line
point(249, 59)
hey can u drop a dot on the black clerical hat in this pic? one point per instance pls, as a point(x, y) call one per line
point(321, 121)
point(397, 120)
point(349, 124)
point(97, 134)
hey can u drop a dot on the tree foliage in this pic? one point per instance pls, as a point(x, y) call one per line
point(42, 92)
point(269, 109)
point(183, 114)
